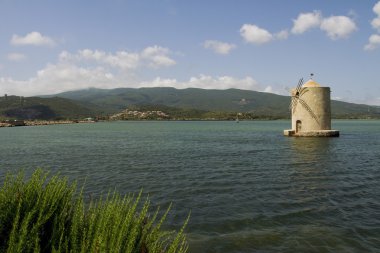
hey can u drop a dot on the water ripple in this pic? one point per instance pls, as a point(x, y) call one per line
point(249, 189)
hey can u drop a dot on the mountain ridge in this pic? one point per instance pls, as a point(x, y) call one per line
point(229, 100)
point(194, 103)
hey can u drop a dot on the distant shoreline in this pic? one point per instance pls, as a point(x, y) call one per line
point(41, 122)
point(17, 123)
point(63, 122)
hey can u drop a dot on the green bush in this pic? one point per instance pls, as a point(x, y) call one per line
point(46, 214)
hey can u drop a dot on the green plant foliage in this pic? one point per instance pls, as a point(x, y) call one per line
point(46, 214)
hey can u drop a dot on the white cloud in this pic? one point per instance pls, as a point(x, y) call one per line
point(161, 82)
point(16, 57)
point(306, 21)
point(100, 69)
point(120, 59)
point(157, 56)
point(88, 54)
point(58, 78)
point(337, 27)
point(71, 77)
point(154, 57)
point(218, 46)
point(374, 39)
point(282, 35)
point(88, 68)
point(373, 42)
point(64, 77)
point(255, 35)
point(33, 38)
point(376, 8)
point(223, 82)
point(376, 23)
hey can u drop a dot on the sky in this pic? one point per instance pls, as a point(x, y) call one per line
point(54, 46)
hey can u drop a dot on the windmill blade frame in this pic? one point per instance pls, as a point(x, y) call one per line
point(299, 86)
point(294, 103)
point(303, 91)
point(307, 107)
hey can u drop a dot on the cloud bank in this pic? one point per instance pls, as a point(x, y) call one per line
point(99, 69)
point(59, 78)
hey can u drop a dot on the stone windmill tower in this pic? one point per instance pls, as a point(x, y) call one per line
point(311, 110)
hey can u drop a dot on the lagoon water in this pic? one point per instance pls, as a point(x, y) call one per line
point(249, 189)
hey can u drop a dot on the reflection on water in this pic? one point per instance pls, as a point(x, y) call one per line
point(311, 149)
point(309, 164)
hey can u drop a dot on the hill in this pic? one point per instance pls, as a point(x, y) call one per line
point(54, 108)
point(256, 103)
point(232, 100)
point(188, 103)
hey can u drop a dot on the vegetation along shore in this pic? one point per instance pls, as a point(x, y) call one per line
point(47, 214)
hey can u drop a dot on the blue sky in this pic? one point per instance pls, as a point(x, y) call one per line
point(53, 46)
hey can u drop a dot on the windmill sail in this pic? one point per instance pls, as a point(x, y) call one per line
point(296, 98)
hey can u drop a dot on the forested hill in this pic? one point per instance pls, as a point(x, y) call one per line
point(55, 108)
point(231, 100)
point(178, 103)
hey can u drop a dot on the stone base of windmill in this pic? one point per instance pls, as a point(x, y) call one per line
point(317, 133)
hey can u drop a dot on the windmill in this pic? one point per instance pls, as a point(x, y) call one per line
point(297, 98)
point(310, 109)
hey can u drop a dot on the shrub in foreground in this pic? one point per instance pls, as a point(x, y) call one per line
point(48, 215)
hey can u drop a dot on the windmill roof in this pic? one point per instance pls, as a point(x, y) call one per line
point(311, 83)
